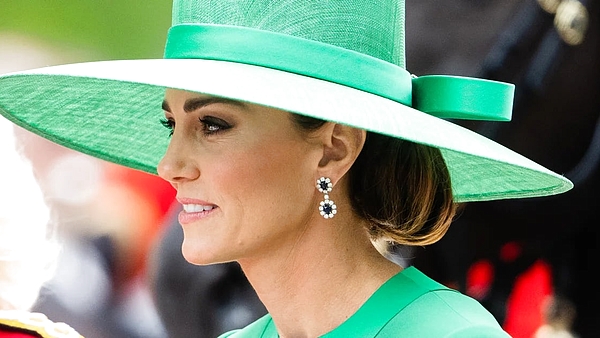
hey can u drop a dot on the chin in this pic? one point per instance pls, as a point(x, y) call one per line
point(198, 254)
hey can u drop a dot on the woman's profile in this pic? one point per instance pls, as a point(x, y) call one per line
point(301, 148)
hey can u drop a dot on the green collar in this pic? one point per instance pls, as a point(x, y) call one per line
point(380, 308)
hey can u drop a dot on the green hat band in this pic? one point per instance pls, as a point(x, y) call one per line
point(441, 96)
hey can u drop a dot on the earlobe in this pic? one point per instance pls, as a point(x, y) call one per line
point(342, 146)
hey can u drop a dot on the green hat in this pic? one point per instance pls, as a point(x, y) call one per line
point(337, 60)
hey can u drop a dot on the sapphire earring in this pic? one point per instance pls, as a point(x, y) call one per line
point(327, 207)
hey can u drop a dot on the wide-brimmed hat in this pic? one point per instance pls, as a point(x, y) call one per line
point(341, 61)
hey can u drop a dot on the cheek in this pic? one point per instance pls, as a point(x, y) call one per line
point(267, 180)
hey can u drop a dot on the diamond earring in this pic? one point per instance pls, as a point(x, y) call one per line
point(327, 207)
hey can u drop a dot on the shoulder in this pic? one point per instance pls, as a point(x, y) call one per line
point(32, 324)
point(255, 329)
point(442, 312)
point(448, 314)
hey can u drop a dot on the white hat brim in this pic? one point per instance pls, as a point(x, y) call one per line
point(480, 168)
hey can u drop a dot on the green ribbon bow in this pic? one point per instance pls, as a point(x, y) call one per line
point(443, 96)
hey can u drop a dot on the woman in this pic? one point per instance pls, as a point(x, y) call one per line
point(301, 148)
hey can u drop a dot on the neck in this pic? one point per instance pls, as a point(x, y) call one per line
point(310, 289)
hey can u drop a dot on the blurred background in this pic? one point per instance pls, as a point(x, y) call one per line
point(530, 262)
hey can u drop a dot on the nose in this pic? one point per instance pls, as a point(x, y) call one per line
point(178, 164)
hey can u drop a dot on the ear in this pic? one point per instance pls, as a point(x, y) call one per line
point(341, 146)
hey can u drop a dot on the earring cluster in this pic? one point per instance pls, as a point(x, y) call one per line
point(327, 207)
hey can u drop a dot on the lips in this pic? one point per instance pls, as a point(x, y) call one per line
point(194, 210)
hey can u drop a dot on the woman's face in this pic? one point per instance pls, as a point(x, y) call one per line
point(244, 173)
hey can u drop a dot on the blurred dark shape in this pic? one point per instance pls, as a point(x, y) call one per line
point(556, 122)
point(84, 294)
point(198, 301)
point(559, 312)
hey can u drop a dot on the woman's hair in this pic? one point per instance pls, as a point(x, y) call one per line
point(28, 252)
point(402, 188)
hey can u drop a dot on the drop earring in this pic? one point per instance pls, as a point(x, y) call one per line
point(327, 207)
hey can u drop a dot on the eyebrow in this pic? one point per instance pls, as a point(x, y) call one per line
point(196, 103)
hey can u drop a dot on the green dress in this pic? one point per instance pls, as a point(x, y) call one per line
point(409, 304)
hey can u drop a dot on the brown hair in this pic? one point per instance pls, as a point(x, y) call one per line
point(401, 187)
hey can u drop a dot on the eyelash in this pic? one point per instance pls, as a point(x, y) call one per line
point(169, 124)
point(210, 125)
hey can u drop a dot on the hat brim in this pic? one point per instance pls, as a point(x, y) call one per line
point(111, 110)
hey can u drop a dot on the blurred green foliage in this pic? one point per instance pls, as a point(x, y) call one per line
point(111, 29)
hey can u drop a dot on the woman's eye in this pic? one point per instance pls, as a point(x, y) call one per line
point(212, 125)
point(169, 124)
